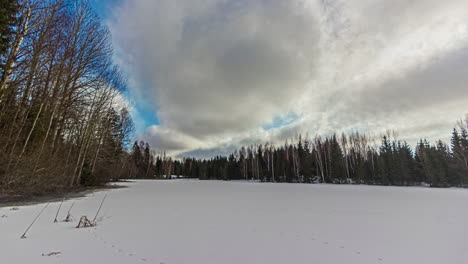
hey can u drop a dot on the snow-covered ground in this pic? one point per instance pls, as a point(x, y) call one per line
point(202, 222)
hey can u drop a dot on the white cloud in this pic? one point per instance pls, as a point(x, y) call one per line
point(217, 71)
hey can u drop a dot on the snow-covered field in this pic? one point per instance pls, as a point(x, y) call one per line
point(202, 222)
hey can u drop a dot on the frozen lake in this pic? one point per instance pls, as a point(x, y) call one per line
point(203, 222)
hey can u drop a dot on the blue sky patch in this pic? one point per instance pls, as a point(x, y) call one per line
point(281, 121)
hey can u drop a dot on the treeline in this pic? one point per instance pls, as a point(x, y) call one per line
point(144, 163)
point(335, 159)
point(60, 121)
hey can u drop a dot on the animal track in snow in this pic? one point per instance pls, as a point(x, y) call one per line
point(313, 238)
point(118, 249)
point(54, 253)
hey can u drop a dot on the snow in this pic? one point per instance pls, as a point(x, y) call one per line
point(189, 221)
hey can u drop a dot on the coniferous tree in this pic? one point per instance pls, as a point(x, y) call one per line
point(407, 170)
point(328, 159)
point(457, 167)
point(136, 158)
point(337, 168)
point(307, 162)
point(147, 162)
point(8, 12)
point(420, 167)
point(441, 167)
point(386, 163)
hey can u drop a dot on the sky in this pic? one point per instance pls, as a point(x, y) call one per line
point(207, 76)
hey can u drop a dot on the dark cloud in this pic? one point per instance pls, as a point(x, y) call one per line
point(217, 71)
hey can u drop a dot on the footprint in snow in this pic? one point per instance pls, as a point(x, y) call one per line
point(118, 250)
point(51, 254)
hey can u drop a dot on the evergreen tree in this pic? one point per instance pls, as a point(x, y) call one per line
point(146, 161)
point(325, 159)
point(420, 172)
point(306, 160)
point(337, 168)
point(386, 164)
point(459, 166)
point(8, 9)
point(260, 164)
point(441, 166)
point(407, 170)
point(231, 169)
point(137, 159)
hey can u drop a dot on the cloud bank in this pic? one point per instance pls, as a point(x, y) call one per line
point(220, 73)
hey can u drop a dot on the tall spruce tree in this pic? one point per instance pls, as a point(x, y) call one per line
point(307, 162)
point(337, 167)
point(386, 162)
point(406, 164)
